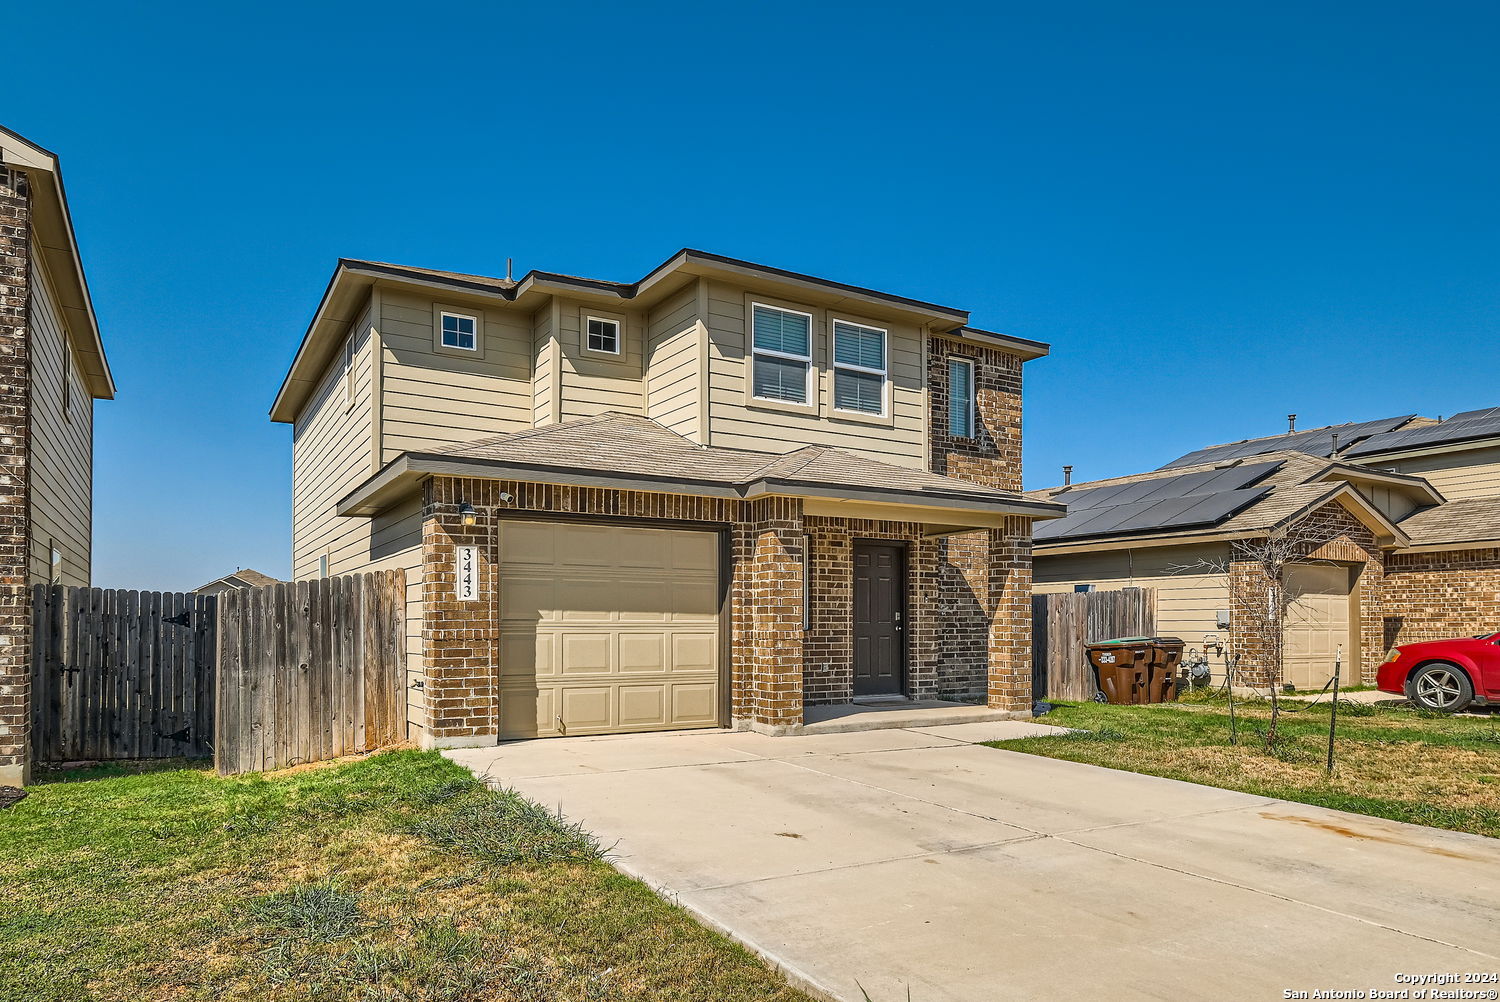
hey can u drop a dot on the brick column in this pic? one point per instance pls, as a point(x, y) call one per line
point(459, 638)
point(768, 637)
point(1010, 616)
point(15, 479)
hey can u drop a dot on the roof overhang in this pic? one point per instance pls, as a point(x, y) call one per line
point(399, 478)
point(1467, 544)
point(1375, 459)
point(1417, 487)
point(351, 281)
point(1387, 533)
point(57, 245)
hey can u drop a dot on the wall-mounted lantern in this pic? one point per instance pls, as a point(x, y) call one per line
point(467, 515)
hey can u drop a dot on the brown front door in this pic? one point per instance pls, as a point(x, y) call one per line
point(879, 644)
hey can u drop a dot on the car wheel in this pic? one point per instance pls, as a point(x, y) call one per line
point(1442, 687)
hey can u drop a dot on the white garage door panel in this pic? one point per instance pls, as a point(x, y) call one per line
point(607, 628)
point(1317, 624)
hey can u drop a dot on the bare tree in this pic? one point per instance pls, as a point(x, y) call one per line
point(1265, 595)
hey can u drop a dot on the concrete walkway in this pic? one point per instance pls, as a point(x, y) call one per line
point(916, 859)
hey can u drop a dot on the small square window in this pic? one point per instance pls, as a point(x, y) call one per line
point(459, 331)
point(604, 335)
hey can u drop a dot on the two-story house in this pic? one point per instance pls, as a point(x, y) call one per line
point(52, 369)
point(711, 497)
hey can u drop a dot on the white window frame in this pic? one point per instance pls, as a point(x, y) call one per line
point(973, 393)
point(445, 314)
point(883, 372)
point(589, 318)
point(808, 401)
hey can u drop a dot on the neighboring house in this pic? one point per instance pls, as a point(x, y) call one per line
point(52, 369)
point(714, 496)
point(238, 581)
point(1401, 517)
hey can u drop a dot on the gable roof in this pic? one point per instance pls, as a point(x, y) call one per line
point(1469, 426)
point(341, 302)
point(632, 452)
point(1327, 441)
point(245, 577)
point(1295, 484)
point(57, 244)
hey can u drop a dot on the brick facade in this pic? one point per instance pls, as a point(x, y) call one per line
point(776, 667)
point(1333, 535)
point(993, 456)
point(15, 478)
point(1440, 595)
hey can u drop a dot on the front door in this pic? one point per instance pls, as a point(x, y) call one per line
point(879, 640)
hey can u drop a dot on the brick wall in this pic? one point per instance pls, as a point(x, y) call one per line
point(776, 667)
point(1329, 534)
point(15, 490)
point(1439, 596)
point(993, 456)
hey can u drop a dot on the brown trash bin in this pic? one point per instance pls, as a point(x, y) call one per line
point(1165, 654)
point(1122, 685)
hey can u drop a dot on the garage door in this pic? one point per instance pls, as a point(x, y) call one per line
point(607, 629)
point(1317, 623)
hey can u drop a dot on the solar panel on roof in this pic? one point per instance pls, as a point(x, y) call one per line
point(1483, 423)
point(1145, 515)
point(1314, 441)
point(1160, 488)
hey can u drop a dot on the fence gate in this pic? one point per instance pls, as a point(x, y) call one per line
point(121, 674)
point(1061, 624)
point(310, 670)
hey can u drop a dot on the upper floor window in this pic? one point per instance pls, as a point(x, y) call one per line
point(349, 372)
point(961, 398)
point(781, 343)
point(858, 368)
point(604, 335)
point(459, 331)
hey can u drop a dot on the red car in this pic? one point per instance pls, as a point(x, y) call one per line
point(1444, 675)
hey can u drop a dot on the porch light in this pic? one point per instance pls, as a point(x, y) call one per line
point(467, 515)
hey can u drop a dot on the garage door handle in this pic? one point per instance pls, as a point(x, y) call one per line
point(562, 728)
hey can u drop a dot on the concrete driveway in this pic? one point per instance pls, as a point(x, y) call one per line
point(916, 859)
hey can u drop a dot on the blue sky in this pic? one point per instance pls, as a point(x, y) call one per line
point(1236, 210)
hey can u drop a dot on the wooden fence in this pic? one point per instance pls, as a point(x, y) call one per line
point(1061, 624)
point(121, 674)
point(310, 670)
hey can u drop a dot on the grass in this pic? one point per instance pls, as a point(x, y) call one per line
point(396, 878)
point(1390, 762)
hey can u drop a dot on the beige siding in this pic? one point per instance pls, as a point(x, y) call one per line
point(1394, 504)
point(430, 399)
point(62, 446)
point(1471, 473)
point(593, 382)
point(543, 378)
point(736, 422)
point(332, 452)
point(1189, 595)
point(396, 541)
point(674, 347)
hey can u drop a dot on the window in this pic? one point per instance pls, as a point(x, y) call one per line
point(67, 380)
point(781, 343)
point(604, 335)
point(55, 574)
point(960, 398)
point(323, 565)
point(459, 331)
point(858, 368)
point(1083, 589)
point(349, 372)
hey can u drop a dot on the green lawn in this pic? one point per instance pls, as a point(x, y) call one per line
point(1395, 763)
point(396, 877)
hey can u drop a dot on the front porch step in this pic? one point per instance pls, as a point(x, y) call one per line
point(846, 717)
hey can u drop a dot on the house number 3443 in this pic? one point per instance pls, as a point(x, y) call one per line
point(468, 573)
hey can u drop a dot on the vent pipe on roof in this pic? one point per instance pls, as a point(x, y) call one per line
point(508, 263)
point(1291, 424)
point(1067, 475)
point(1335, 451)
